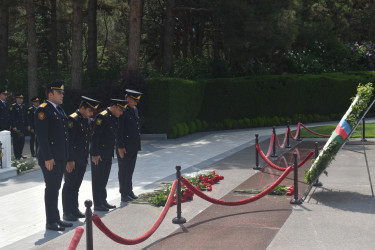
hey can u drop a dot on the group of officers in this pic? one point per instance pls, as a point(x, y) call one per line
point(18, 119)
point(64, 150)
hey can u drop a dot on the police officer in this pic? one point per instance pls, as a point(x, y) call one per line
point(19, 124)
point(129, 144)
point(30, 117)
point(79, 139)
point(51, 127)
point(104, 140)
point(4, 111)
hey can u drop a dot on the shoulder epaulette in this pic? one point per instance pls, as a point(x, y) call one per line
point(43, 105)
point(104, 112)
point(13, 104)
point(30, 107)
point(74, 115)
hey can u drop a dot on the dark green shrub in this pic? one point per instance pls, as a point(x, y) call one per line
point(172, 132)
point(192, 127)
point(228, 124)
point(247, 122)
point(205, 126)
point(198, 124)
point(235, 124)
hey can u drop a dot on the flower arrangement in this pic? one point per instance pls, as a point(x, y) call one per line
point(341, 133)
point(279, 190)
point(159, 197)
point(20, 134)
point(23, 165)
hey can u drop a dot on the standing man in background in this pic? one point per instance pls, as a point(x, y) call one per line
point(19, 124)
point(104, 140)
point(30, 117)
point(51, 127)
point(79, 140)
point(4, 111)
point(128, 145)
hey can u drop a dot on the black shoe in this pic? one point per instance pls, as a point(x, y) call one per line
point(109, 206)
point(55, 227)
point(79, 214)
point(126, 198)
point(133, 196)
point(64, 224)
point(69, 217)
point(101, 208)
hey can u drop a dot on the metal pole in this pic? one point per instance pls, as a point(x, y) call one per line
point(287, 135)
point(295, 166)
point(256, 153)
point(274, 142)
point(1, 155)
point(368, 170)
point(178, 219)
point(317, 183)
point(89, 238)
point(363, 130)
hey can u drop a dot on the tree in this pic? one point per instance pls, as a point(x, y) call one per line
point(92, 55)
point(32, 63)
point(53, 38)
point(4, 19)
point(168, 37)
point(77, 25)
point(135, 20)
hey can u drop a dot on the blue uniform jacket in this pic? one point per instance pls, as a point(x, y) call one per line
point(51, 129)
point(129, 132)
point(4, 116)
point(104, 137)
point(18, 117)
point(30, 116)
point(79, 135)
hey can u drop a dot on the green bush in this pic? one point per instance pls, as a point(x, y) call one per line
point(192, 127)
point(198, 124)
point(228, 124)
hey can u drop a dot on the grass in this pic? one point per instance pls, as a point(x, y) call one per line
point(328, 129)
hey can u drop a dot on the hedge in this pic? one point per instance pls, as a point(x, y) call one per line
point(172, 100)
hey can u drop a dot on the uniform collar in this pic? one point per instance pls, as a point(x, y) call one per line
point(53, 104)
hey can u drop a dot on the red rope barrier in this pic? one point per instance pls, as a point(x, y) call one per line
point(297, 132)
point(277, 140)
point(240, 202)
point(281, 168)
point(76, 238)
point(271, 144)
point(98, 222)
point(315, 133)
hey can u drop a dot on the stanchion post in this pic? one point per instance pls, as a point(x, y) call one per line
point(364, 130)
point(299, 133)
point(287, 135)
point(295, 166)
point(88, 213)
point(178, 219)
point(317, 183)
point(274, 142)
point(256, 153)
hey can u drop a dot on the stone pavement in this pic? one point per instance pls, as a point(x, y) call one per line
point(22, 196)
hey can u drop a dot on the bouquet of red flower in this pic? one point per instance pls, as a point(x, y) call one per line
point(20, 134)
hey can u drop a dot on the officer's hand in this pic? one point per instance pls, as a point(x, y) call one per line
point(70, 165)
point(49, 164)
point(121, 152)
point(96, 159)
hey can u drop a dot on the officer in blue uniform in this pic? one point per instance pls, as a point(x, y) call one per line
point(30, 117)
point(4, 111)
point(51, 127)
point(79, 140)
point(104, 140)
point(19, 125)
point(129, 144)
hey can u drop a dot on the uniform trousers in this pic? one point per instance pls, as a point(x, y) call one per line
point(33, 144)
point(71, 187)
point(100, 174)
point(126, 167)
point(52, 180)
point(18, 143)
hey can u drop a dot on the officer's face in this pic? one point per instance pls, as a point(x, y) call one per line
point(19, 100)
point(87, 112)
point(56, 97)
point(117, 111)
point(3, 97)
point(131, 102)
point(36, 104)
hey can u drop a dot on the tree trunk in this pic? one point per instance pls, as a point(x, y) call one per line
point(77, 46)
point(135, 19)
point(168, 37)
point(92, 59)
point(32, 62)
point(4, 19)
point(53, 39)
